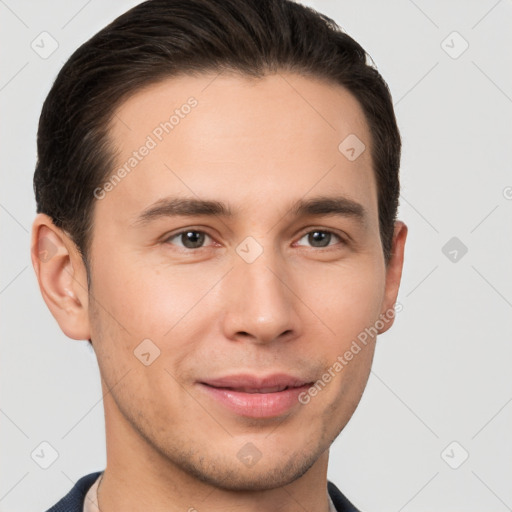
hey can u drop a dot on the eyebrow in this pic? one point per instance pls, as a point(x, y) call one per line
point(189, 207)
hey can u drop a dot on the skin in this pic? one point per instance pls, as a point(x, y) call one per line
point(258, 145)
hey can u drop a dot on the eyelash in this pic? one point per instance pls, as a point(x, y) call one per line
point(314, 230)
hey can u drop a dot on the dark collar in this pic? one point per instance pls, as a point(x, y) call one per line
point(340, 501)
point(74, 499)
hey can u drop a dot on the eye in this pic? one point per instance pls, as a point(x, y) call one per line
point(190, 239)
point(321, 238)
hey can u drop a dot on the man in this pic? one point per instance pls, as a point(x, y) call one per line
point(217, 188)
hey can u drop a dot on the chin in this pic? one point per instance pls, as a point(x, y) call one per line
point(260, 477)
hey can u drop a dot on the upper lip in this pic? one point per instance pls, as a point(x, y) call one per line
point(254, 383)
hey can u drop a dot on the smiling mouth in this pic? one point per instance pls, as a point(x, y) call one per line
point(253, 397)
point(274, 389)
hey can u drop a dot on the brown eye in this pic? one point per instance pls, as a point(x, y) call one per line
point(189, 239)
point(321, 238)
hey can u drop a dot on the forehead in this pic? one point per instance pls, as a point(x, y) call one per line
point(239, 139)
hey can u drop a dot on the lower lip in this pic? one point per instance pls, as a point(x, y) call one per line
point(256, 405)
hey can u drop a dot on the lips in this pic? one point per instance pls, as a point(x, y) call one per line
point(253, 384)
point(255, 397)
point(273, 389)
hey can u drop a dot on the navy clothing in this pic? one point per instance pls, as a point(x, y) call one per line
point(74, 500)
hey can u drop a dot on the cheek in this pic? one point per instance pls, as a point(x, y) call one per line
point(145, 300)
point(347, 297)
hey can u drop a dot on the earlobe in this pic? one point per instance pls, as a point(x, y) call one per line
point(393, 275)
point(61, 276)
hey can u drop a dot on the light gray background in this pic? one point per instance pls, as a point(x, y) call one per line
point(442, 373)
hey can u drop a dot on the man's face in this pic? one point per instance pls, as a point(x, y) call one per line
point(257, 293)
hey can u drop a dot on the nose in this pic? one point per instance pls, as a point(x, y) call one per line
point(260, 303)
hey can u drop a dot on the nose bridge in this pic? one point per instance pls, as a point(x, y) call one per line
point(260, 305)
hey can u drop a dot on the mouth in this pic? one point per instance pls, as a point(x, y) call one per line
point(256, 397)
point(274, 389)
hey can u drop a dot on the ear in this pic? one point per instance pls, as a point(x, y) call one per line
point(62, 277)
point(393, 274)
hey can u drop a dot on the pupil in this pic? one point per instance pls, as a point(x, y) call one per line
point(320, 236)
